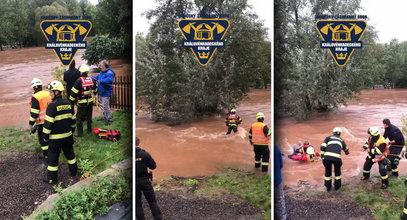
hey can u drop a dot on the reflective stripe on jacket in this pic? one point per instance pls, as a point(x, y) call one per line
point(43, 99)
point(258, 136)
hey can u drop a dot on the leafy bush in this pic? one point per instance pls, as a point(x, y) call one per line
point(85, 203)
point(103, 47)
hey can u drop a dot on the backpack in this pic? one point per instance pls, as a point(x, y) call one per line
point(109, 134)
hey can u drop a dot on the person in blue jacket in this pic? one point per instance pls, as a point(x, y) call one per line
point(105, 88)
point(279, 200)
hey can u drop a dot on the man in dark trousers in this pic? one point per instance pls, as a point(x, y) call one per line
point(58, 128)
point(144, 161)
point(82, 92)
point(259, 137)
point(331, 150)
point(39, 103)
point(70, 76)
point(396, 139)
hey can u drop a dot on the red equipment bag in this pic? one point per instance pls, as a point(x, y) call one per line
point(109, 134)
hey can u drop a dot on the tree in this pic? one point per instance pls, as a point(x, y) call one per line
point(171, 82)
point(308, 79)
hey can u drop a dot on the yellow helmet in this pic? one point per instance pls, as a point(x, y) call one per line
point(36, 82)
point(233, 110)
point(374, 131)
point(337, 130)
point(55, 85)
point(84, 68)
point(259, 115)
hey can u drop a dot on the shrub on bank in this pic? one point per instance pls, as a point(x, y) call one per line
point(103, 47)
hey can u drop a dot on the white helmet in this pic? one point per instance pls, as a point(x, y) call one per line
point(36, 82)
point(337, 130)
point(310, 150)
point(374, 131)
point(84, 68)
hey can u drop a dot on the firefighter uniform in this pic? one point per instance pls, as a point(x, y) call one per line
point(39, 103)
point(232, 121)
point(58, 127)
point(377, 152)
point(144, 186)
point(82, 92)
point(394, 133)
point(331, 150)
point(259, 136)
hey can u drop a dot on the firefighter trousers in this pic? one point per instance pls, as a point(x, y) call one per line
point(394, 160)
point(230, 128)
point(337, 164)
point(55, 147)
point(84, 114)
point(144, 186)
point(382, 170)
point(261, 157)
point(43, 144)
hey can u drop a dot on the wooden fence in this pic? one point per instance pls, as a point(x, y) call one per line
point(122, 93)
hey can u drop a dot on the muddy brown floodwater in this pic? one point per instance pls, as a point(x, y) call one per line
point(354, 119)
point(202, 147)
point(18, 67)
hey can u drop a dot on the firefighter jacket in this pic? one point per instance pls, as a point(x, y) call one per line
point(332, 146)
point(143, 161)
point(377, 148)
point(233, 120)
point(259, 134)
point(82, 90)
point(393, 133)
point(59, 120)
point(39, 103)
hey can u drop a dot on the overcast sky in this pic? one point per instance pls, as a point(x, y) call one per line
point(263, 9)
point(388, 18)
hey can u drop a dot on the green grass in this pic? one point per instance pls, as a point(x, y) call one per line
point(88, 148)
point(86, 202)
point(384, 204)
point(255, 189)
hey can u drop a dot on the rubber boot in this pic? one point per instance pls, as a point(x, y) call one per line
point(79, 128)
point(257, 164)
point(328, 184)
point(51, 177)
point(385, 183)
point(73, 168)
point(338, 184)
point(89, 128)
point(264, 168)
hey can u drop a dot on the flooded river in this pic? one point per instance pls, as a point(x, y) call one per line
point(202, 147)
point(354, 119)
point(18, 67)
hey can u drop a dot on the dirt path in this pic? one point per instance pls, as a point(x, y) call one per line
point(180, 202)
point(323, 205)
point(21, 186)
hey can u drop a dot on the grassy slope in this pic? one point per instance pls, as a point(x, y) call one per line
point(253, 188)
point(88, 147)
point(384, 204)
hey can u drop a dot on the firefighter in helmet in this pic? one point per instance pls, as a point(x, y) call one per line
point(232, 121)
point(377, 150)
point(259, 137)
point(58, 128)
point(39, 102)
point(331, 150)
point(82, 92)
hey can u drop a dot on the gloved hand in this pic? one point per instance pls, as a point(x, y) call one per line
point(347, 152)
point(396, 161)
point(387, 162)
point(365, 146)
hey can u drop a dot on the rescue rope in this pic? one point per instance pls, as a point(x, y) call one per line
point(89, 172)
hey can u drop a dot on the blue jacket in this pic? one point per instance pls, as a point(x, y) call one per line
point(105, 82)
point(278, 165)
